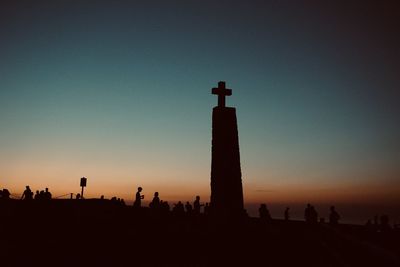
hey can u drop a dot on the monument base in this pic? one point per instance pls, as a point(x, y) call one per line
point(226, 176)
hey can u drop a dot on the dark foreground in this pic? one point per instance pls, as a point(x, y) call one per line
point(99, 233)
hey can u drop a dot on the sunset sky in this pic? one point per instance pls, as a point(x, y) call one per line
point(120, 92)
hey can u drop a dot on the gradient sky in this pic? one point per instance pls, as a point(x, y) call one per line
point(119, 92)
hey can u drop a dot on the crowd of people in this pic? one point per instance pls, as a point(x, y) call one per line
point(156, 204)
point(163, 206)
point(310, 214)
point(40, 195)
point(380, 224)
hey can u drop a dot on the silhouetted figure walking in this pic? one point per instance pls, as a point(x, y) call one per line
point(28, 194)
point(287, 215)
point(264, 213)
point(138, 198)
point(334, 217)
point(155, 203)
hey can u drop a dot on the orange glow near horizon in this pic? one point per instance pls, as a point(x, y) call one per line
point(174, 188)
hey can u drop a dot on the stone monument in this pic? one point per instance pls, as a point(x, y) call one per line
point(226, 176)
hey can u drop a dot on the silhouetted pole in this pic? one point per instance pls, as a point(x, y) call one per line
point(83, 184)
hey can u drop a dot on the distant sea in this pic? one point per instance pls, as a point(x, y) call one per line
point(350, 213)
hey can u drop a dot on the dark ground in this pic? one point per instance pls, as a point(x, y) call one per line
point(100, 233)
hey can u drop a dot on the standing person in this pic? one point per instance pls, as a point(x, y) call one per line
point(37, 196)
point(47, 194)
point(178, 209)
point(5, 194)
point(334, 216)
point(28, 194)
point(197, 205)
point(264, 213)
point(155, 203)
point(138, 199)
point(188, 208)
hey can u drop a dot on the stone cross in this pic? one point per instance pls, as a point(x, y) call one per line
point(221, 91)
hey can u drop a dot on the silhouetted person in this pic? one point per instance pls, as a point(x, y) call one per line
point(178, 209)
point(5, 194)
point(188, 208)
point(197, 206)
point(102, 197)
point(41, 195)
point(37, 195)
point(264, 213)
point(310, 214)
point(138, 199)
point(28, 194)
point(165, 207)
point(78, 196)
point(155, 203)
point(122, 202)
point(334, 217)
point(47, 194)
point(287, 216)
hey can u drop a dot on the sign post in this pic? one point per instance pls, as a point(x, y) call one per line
point(83, 184)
